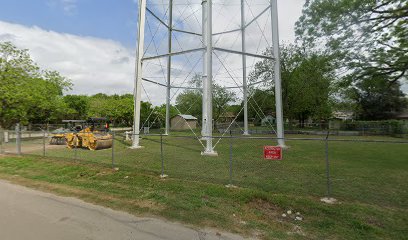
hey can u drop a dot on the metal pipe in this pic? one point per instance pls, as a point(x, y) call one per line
point(75, 152)
point(244, 73)
point(138, 74)
point(242, 53)
point(258, 16)
point(18, 138)
point(230, 159)
point(189, 88)
point(204, 74)
point(168, 89)
point(225, 32)
point(327, 166)
point(1, 141)
point(188, 32)
point(158, 19)
point(43, 143)
point(113, 150)
point(207, 78)
point(161, 155)
point(172, 54)
point(151, 81)
point(277, 73)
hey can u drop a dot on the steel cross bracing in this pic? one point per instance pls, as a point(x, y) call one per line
point(228, 87)
point(208, 50)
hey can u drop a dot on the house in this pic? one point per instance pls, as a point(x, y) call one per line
point(227, 117)
point(343, 115)
point(403, 115)
point(267, 121)
point(183, 122)
point(338, 117)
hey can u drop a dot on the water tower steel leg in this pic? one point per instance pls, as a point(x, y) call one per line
point(138, 74)
point(207, 80)
point(277, 73)
point(167, 131)
point(244, 72)
point(204, 76)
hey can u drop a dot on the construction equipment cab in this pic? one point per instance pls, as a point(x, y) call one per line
point(98, 124)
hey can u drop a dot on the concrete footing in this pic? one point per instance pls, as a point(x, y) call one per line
point(328, 200)
point(136, 147)
point(211, 154)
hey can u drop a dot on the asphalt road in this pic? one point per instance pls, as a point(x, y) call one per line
point(29, 214)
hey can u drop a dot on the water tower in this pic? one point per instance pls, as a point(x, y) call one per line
point(195, 19)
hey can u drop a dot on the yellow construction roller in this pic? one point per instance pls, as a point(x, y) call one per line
point(91, 137)
point(96, 141)
point(90, 140)
point(58, 139)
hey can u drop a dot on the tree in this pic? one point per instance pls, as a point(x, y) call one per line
point(160, 115)
point(119, 108)
point(28, 94)
point(261, 103)
point(78, 106)
point(190, 101)
point(369, 38)
point(306, 83)
point(377, 99)
point(222, 98)
point(46, 104)
point(124, 110)
point(146, 114)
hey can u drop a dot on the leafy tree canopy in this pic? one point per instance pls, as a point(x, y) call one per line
point(307, 79)
point(28, 93)
point(376, 99)
point(369, 37)
point(190, 101)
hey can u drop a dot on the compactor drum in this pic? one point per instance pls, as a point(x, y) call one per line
point(58, 139)
point(93, 137)
point(58, 136)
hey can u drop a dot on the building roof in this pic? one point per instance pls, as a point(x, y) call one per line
point(403, 115)
point(228, 115)
point(268, 117)
point(344, 115)
point(187, 117)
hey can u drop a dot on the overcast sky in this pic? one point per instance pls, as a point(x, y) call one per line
point(92, 42)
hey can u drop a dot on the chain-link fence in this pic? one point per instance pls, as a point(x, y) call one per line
point(393, 128)
point(364, 169)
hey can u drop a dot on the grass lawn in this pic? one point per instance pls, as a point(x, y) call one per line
point(369, 180)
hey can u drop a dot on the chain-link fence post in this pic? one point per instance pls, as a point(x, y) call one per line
point(44, 136)
point(230, 159)
point(162, 157)
point(18, 138)
point(75, 151)
point(113, 150)
point(328, 182)
point(230, 185)
point(1, 141)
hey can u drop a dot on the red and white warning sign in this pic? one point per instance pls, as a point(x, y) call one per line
point(272, 153)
